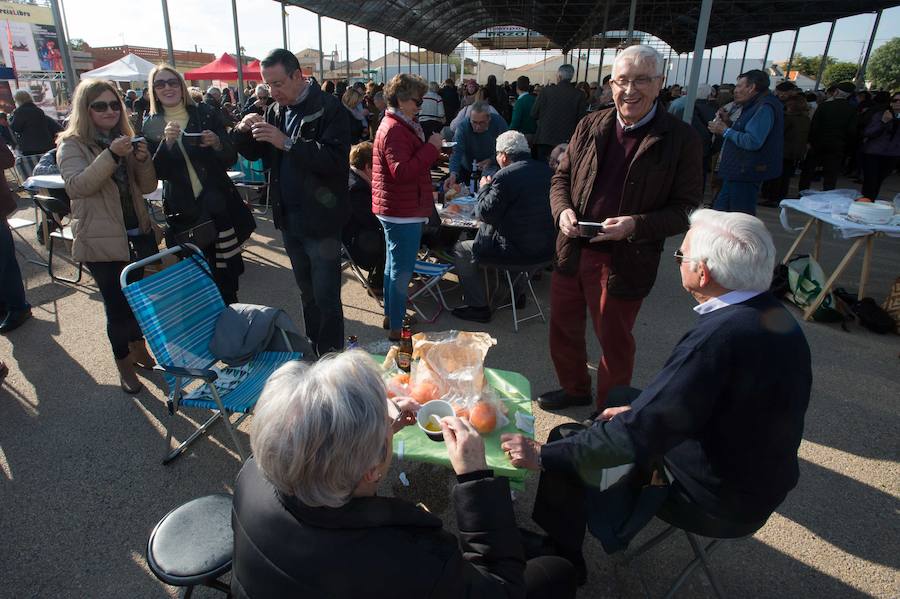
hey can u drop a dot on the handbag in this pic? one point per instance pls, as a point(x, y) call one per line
point(203, 235)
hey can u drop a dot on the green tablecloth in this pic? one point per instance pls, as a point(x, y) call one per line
point(516, 390)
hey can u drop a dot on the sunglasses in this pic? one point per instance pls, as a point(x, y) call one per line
point(162, 83)
point(418, 102)
point(115, 106)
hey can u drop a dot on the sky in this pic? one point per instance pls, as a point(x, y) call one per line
point(208, 26)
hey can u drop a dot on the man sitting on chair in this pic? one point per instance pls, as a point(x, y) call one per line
point(362, 235)
point(721, 423)
point(516, 225)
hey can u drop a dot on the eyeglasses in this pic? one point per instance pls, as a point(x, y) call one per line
point(640, 82)
point(680, 257)
point(115, 106)
point(162, 83)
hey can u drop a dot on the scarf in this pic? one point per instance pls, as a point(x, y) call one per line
point(120, 177)
point(416, 127)
point(179, 114)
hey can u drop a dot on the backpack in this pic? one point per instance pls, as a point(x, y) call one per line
point(870, 315)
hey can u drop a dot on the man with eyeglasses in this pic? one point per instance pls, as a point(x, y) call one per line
point(637, 171)
point(475, 141)
point(714, 435)
point(304, 139)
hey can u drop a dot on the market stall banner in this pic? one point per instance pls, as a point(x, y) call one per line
point(28, 39)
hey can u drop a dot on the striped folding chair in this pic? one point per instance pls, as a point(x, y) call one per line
point(177, 309)
point(427, 277)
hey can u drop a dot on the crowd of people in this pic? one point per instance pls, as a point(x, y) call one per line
point(591, 177)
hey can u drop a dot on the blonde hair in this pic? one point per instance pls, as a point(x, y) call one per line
point(351, 97)
point(155, 105)
point(81, 125)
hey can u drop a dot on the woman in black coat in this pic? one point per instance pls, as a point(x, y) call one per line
point(308, 522)
point(192, 153)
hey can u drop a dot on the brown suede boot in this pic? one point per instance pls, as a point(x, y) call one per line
point(128, 379)
point(137, 351)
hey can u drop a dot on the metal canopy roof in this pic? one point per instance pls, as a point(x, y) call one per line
point(441, 25)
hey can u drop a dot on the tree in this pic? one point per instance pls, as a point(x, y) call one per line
point(837, 72)
point(809, 65)
point(884, 66)
point(76, 43)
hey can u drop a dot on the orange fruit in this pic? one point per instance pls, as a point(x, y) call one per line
point(401, 379)
point(865, 200)
point(461, 412)
point(424, 392)
point(483, 417)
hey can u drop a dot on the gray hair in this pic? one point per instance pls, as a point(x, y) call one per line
point(481, 107)
point(512, 143)
point(703, 91)
point(212, 89)
point(319, 428)
point(262, 88)
point(736, 247)
point(640, 54)
point(565, 72)
point(23, 96)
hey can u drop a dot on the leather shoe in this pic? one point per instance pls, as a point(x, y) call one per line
point(14, 319)
point(473, 313)
point(558, 399)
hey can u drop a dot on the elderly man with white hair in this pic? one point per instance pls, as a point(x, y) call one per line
point(719, 425)
point(635, 172)
point(308, 520)
point(516, 226)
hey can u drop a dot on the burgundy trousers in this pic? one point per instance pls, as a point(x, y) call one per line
point(571, 297)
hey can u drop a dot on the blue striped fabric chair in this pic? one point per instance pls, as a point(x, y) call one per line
point(428, 275)
point(177, 309)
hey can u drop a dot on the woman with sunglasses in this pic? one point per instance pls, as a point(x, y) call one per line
point(106, 176)
point(192, 153)
point(401, 189)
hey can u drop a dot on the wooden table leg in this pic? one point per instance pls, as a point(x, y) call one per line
point(797, 241)
point(807, 315)
point(818, 244)
point(867, 263)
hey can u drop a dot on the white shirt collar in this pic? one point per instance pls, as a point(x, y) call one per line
point(647, 118)
point(726, 299)
point(524, 93)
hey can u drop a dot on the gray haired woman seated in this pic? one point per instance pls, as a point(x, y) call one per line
point(308, 522)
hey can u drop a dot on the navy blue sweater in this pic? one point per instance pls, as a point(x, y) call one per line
point(725, 413)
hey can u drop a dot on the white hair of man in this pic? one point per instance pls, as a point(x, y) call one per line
point(213, 90)
point(512, 143)
point(481, 107)
point(736, 247)
point(703, 91)
point(23, 96)
point(639, 55)
point(262, 90)
point(318, 429)
point(565, 72)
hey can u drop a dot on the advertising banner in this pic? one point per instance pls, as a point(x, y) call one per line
point(28, 40)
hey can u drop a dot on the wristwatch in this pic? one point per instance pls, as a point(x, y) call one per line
point(288, 143)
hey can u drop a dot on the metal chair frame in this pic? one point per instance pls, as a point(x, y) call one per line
point(520, 271)
point(430, 284)
point(348, 262)
point(20, 223)
point(64, 233)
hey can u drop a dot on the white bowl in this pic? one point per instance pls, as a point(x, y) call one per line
point(878, 213)
point(439, 408)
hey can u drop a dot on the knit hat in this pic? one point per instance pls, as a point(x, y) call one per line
point(847, 87)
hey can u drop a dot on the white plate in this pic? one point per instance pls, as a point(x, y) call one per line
point(448, 144)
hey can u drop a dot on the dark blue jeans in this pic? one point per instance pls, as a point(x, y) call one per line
point(317, 269)
point(738, 196)
point(12, 291)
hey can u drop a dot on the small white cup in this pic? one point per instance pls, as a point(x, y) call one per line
point(439, 408)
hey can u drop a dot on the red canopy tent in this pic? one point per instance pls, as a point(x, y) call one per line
point(224, 68)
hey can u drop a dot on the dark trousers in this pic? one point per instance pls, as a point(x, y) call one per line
point(876, 169)
point(571, 299)
point(542, 151)
point(316, 263)
point(12, 291)
point(549, 577)
point(560, 506)
point(430, 127)
point(829, 160)
point(737, 196)
point(775, 190)
point(121, 326)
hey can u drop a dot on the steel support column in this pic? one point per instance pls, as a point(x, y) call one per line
point(168, 27)
point(321, 54)
point(603, 44)
point(587, 64)
point(240, 56)
point(709, 63)
point(743, 57)
point(787, 71)
point(347, 49)
point(384, 61)
point(766, 54)
point(631, 15)
point(699, 43)
point(284, 39)
point(63, 48)
point(578, 66)
point(724, 65)
point(368, 52)
point(861, 72)
point(824, 57)
point(668, 67)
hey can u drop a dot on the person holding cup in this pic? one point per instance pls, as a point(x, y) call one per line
point(308, 520)
point(106, 176)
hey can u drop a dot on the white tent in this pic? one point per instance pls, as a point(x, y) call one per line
point(127, 68)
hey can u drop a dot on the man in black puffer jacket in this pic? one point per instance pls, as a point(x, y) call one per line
point(35, 131)
point(516, 224)
point(304, 138)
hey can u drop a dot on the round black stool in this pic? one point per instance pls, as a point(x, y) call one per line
point(193, 544)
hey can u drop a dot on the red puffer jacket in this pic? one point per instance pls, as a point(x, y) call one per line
point(401, 165)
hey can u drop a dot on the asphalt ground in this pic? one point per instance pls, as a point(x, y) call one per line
point(82, 484)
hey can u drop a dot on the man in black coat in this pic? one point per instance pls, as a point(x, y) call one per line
point(718, 428)
point(516, 224)
point(304, 138)
point(35, 131)
point(450, 96)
